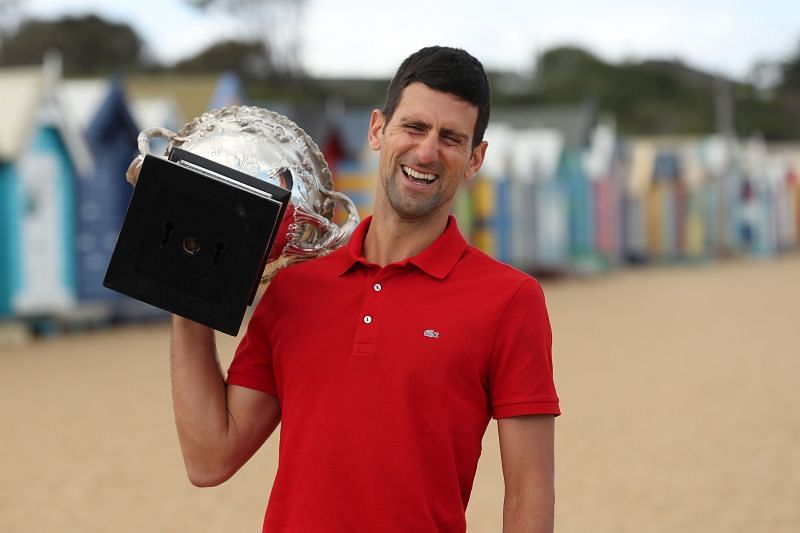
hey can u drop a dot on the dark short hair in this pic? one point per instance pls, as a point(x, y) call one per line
point(450, 70)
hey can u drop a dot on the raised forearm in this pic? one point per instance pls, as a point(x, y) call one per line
point(199, 399)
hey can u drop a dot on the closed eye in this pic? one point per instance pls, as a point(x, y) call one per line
point(415, 127)
point(451, 140)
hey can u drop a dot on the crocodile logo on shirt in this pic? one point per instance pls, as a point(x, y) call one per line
point(431, 333)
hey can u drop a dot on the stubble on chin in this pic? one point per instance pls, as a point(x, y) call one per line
point(407, 206)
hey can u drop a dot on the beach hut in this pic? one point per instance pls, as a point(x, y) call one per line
point(52, 158)
point(665, 206)
point(718, 158)
point(480, 230)
point(696, 242)
point(793, 197)
point(464, 209)
point(538, 205)
point(104, 120)
point(543, 233)
point(23, 87)
point(572, 176)
point(491, 195)
point(517, 198)
point(784, 161)
point(757, 195)
point(606, 170)
point(635, 205)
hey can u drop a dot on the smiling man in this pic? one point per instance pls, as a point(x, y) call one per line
point(385, 360)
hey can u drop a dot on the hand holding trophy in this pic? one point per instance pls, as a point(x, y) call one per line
point(242, 192)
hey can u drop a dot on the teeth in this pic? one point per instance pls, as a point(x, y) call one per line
point(418, 175)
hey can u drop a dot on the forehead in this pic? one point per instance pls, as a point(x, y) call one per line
point(436, 108)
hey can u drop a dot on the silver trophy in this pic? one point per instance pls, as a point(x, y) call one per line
point(262, 143)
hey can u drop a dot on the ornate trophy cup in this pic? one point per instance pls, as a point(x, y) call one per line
point(241, 193)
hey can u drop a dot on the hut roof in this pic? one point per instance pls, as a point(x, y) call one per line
point(24, 86)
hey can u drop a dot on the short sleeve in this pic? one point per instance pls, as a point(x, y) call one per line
point(252, 364)
point(521, 364)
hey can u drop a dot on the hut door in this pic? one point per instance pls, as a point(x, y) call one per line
point(43, 288)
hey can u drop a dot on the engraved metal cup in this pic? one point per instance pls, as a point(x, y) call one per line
point(259, 142)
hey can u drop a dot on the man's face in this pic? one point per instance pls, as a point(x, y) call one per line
point(425, 151)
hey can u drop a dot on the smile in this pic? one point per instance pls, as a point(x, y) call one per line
point(419, 177)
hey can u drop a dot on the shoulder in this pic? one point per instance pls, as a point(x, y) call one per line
point(478, 265)
point(493, 286)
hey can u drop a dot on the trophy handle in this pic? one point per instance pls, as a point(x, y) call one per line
point(143, 142)
point(332, 236)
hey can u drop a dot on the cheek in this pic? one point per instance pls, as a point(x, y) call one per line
point(457, 162)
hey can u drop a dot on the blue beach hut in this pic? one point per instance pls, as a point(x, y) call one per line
point(51, 157)
point(102, 196)
point(23, 86)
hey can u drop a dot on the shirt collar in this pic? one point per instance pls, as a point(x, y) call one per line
point(437, 260)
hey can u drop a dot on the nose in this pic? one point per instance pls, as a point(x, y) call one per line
point(428, 149)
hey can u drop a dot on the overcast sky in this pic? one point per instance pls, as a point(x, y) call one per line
point(359, 38)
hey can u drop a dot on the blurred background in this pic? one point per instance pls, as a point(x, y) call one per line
point(644, 163)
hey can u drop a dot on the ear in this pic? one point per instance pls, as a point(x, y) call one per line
point(476, 160)
point(374, 134)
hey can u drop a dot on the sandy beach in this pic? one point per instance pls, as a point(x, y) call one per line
point(679, 388)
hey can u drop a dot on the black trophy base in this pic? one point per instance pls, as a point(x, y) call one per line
point(195, 239)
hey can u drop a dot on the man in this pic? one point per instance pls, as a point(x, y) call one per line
point(385, 360)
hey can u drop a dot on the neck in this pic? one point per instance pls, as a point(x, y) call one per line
point(391, 239)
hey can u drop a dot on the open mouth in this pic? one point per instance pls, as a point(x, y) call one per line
point(418, 177)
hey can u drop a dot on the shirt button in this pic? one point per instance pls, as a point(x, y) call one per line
point(377, 287)
point(367, 319)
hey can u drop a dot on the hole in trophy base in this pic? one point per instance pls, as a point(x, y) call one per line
point(191, 245)
point(218, 247)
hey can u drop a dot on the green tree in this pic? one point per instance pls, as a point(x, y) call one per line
point(89, 45)
point(646, 97)
point(242, 57)
point(790, 72)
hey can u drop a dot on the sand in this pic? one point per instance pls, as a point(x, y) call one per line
point(679, 387)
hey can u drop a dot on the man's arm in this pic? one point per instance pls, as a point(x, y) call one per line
point(219, 427)
point(526, 451)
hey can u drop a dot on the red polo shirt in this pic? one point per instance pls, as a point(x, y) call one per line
point(387, 378)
